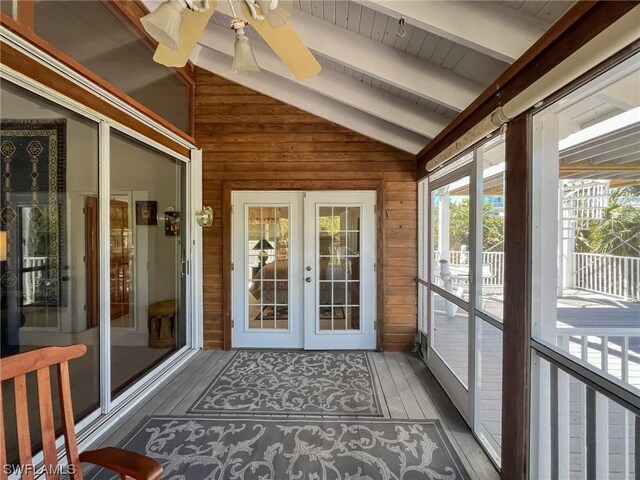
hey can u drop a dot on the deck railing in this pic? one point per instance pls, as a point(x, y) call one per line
point(608, 274)
point(33, 269)
point(495, 261)
point(607, 349)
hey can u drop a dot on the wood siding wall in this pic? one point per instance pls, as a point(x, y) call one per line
point(249, 138)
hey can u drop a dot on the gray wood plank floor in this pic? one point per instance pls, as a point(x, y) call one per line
point(406, 387)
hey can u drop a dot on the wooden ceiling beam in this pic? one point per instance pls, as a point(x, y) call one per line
point(491, 29)
point(381, 61)
point(351, 92)
point(297, 95)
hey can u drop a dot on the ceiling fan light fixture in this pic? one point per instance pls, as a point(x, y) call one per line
point(164, 23)
point(278, 12)
point(244, 61)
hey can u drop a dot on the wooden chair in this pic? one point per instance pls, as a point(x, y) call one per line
point(127, 464)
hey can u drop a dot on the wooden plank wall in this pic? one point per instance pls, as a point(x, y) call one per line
point(247, 136)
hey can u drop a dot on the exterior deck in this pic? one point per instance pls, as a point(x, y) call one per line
point(407, 390)
point(599, 329)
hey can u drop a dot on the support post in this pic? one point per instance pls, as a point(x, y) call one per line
point(516, 339)
point(547, 278)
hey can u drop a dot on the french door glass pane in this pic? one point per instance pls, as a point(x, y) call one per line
point(147, 248)
point(451, 335)
point(339, 268)
point(49, 185)
point(450, 237)
point(267, 253)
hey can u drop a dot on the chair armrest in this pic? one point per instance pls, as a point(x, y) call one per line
point(124, 462)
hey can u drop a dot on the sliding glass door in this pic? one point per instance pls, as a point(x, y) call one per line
point(49, 167)
point(146, 255)
point(98, 243)
point(461, 284)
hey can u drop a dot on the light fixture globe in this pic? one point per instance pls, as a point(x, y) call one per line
point(164, 23)
point(244, 61)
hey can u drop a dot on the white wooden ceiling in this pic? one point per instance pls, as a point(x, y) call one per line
point(400, 90)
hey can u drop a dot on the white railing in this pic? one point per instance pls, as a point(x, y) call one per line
point(608, 274)
point(608, 349)
point(32, 279)
point(493, 260)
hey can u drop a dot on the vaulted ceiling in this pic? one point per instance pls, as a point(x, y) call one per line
point(402, 90)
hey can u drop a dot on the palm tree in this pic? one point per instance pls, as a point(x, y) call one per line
point(618, 232)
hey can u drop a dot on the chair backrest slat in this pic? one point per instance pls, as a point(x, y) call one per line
point(16, 367)
point(22, 424)
point(3, 447)
point(44, 357)
point(68, 426)
point(46, 423)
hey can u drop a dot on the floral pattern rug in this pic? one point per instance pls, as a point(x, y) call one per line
point(299, 383)
point(280, 448)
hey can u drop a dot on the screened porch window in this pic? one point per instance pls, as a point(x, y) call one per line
point(115, 52)
point(586, 279)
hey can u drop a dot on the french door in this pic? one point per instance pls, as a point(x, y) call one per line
point(304, 270)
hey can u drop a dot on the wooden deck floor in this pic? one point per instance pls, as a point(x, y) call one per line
point(407, 388)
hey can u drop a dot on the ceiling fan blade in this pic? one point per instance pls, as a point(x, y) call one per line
point(287, 45)
point(193, 24)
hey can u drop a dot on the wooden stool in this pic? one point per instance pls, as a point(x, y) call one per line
point(161, 323)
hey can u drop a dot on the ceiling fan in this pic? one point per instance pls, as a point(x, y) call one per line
point(177, 25)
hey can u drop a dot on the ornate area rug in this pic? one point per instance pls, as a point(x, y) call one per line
point(285, 382)
point(280, 449)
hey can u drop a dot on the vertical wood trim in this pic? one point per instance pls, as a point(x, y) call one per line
point(380, 268)
point(22, 424)
point(227, 281)
point(192, 110)
point(3, 448)
point(516, 335)
point(26, 13)
point(68, 425)
point(46, 421)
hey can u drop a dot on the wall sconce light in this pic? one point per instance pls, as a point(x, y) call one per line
point(3, 246)
point(205, 217)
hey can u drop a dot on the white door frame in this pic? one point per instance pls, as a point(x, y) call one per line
point(462, 396)
point(365, 337)
point(302, 295)
point(242, 336)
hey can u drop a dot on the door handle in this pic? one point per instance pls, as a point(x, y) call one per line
point(308, 279)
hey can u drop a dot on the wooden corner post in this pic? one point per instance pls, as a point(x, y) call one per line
point(515, 378)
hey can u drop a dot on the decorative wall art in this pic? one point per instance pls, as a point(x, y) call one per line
point(33, 210)
point(146, 213)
